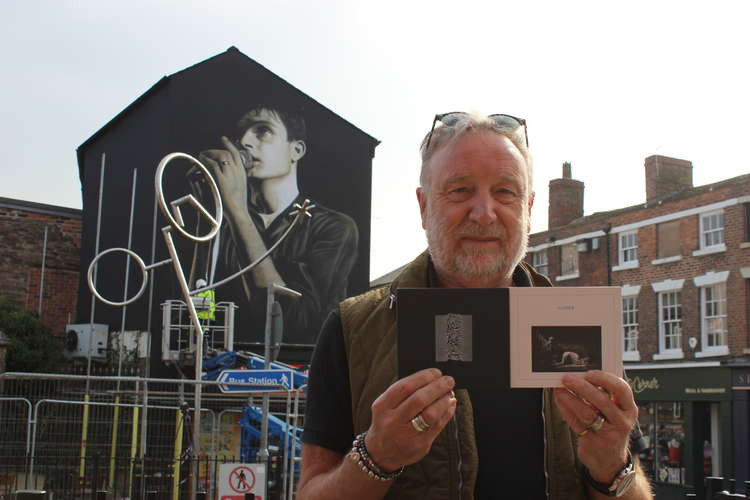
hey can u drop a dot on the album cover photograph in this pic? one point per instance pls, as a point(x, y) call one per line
point(563, 330)
point(463, 332)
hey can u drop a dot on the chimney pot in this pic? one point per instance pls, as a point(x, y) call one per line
point(565, 199)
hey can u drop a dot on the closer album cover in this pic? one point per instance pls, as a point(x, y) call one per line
point(517, 337)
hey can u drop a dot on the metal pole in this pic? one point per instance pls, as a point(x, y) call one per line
point(86, 397)
point(286, 453)
point(120, 347)
point(127, 278)
point(179, 428)
point(263, 451)
point(167, 231)
point(270, 299)
point(96, 266)
point(41, 278)
point(144, 413)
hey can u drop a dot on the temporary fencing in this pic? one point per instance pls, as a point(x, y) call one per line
point(129, 437)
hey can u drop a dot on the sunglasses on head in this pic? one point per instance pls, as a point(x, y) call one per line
point(450, 119)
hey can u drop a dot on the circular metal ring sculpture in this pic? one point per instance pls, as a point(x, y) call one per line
point(90, 276)
point(177, 224)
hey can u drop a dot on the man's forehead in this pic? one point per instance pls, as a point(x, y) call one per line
point(264, 116)
point(479, 151)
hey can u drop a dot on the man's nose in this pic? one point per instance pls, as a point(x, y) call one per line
point(482, 209)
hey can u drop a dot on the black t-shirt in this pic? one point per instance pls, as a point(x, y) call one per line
point(508, 422)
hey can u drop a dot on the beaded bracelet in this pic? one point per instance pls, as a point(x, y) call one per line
point(360, 457)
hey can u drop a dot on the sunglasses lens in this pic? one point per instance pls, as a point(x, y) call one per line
point(506, 121)
point(451, 119)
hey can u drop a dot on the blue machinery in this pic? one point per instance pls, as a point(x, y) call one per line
point(281, 433)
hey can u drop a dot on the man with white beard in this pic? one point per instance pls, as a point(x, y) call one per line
point(415, 438)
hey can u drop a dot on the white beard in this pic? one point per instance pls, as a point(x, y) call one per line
point(475, 263)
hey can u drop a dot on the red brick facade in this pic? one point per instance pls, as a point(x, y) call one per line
point(600, 234)
point(565, 199)
point(22, 228)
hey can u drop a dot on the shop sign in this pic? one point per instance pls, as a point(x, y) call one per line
point(678, 384)
point(641, 384)
point(741, 379)
point(705, 390)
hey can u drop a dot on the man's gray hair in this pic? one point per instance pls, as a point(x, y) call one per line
point(472, 122)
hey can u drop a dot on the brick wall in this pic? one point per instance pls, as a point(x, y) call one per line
point(565, 199)
point(593, 263)
point(665, 175)
point(22, 226)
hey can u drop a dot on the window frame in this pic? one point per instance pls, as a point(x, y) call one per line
point(662, 233)
point(575, 273)
point(662, 293)
point(631, 250)
point(718, 301)
point(630, 327)
point(714, 281)
point(541, 267)
point(704, 231)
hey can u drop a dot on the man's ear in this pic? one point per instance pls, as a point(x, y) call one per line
point(422, 199)
point(298, 148)
point(531, 204)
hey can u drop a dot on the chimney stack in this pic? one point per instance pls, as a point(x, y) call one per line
point(665, 175)
point(565, 199)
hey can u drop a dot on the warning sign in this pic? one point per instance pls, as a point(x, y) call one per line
point(242, 479)
point(237, 480)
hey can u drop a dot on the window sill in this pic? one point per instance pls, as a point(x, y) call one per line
point(631, 356)
point(567, 277)
point(745, 244)
point(721, 350)
point(666, 260)
point(676, 354)
point(710, 250)
point(633, 264)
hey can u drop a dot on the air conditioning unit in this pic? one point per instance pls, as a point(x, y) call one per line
point(82, 338)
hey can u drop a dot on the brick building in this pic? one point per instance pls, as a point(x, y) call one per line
point(40, 249)
point(682, 260)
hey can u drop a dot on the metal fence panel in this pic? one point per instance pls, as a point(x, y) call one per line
point(126, 437)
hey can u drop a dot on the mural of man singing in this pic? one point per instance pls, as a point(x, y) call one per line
point(256, 172)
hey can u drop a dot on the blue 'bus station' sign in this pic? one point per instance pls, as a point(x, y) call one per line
point(260, 380)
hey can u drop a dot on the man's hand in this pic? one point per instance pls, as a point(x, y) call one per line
point(231, 177)
point(392, 441)
point(582, 399)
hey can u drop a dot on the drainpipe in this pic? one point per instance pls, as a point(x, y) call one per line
point(606, 230)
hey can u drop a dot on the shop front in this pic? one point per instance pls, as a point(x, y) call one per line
point(685, 414)
point(741, 412)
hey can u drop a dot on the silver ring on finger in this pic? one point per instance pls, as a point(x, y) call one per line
point(419, 423)
point(597, 424)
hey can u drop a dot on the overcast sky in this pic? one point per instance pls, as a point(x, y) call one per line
point(603, 85)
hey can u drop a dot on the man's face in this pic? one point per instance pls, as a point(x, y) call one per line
point(270, 153)
point(475, 209)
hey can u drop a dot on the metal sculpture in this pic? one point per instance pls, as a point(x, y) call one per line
point(177, 223)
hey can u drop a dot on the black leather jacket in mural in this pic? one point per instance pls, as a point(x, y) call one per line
point(315, 260)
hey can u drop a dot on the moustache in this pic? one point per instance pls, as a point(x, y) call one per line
point(472, 229)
